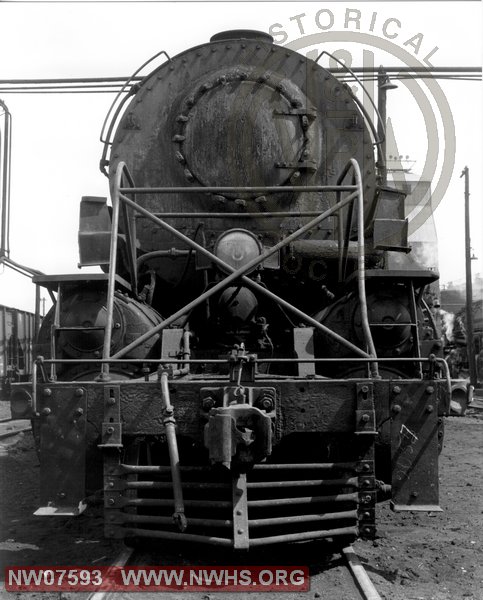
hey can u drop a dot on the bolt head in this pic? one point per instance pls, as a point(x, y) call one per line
point(110, 430)
point(208, 403)
point(266, 403)
point(365, 418)
point(429, 389)
point(47, 392)
point(111, 501)
point(396, 389)
point(79, 392)
point(46, 411)
point(429, 408)
point(396, 408)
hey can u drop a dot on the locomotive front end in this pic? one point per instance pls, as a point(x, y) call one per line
point(252, 367)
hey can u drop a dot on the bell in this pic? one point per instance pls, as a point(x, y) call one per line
point(387, 84)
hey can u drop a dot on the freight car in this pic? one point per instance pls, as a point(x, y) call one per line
point(17, 332)
point(256, 363)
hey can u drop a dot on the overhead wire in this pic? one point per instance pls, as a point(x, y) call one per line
point(98, 85)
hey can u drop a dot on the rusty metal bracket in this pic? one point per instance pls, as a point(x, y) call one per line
point(365, 422)
point(111, 427)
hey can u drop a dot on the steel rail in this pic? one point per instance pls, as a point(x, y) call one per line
point(12, 432)
point(360, 575)
point(121, 561)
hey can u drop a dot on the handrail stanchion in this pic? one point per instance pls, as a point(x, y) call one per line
point(361, 272)
point(106, 351)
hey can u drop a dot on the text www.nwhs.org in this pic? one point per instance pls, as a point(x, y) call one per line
point(260, 578)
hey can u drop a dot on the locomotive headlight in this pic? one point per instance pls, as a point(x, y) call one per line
point(237, 247)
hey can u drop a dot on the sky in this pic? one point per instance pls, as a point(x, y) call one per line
point(55, 137)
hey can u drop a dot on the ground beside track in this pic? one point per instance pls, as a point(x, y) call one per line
point(421, 557)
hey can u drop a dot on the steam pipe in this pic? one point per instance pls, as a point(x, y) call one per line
point(169, 421)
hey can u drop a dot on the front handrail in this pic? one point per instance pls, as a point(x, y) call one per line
point(110, 121)
point(119, 197)
point(41, 361)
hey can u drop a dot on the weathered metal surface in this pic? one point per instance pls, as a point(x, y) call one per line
point(62, 448)
point(203, 116)
point(302, 405)
point(414, 448)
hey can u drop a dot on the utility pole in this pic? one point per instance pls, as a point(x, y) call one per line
point(383, 84)
point(470, 346)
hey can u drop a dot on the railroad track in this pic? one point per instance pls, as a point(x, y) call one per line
point(7, 429)
point(363, 587)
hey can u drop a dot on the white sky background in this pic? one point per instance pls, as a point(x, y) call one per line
point(56, 146)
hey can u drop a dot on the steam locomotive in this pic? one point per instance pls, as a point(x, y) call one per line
point(256, 363)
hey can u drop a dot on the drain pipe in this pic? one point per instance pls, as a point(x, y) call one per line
point(360, 575)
